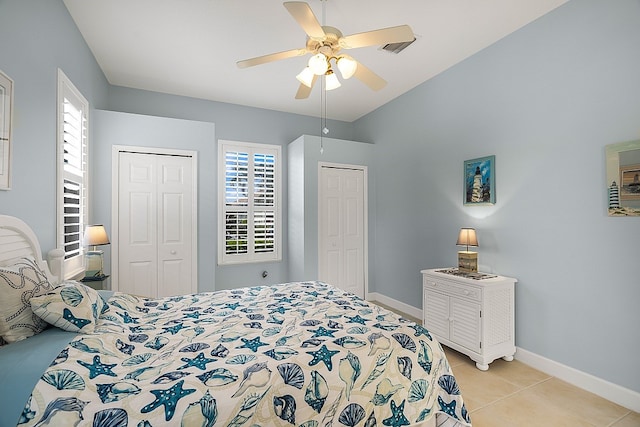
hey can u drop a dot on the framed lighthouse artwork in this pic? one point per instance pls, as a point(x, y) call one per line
point(480, 181)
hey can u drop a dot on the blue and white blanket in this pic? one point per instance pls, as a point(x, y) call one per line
point(303, 354)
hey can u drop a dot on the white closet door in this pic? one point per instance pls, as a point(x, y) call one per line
point(341, 228)
point(155, 226)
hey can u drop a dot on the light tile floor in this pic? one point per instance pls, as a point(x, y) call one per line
point(514, 394)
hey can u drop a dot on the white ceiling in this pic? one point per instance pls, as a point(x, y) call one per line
point(190, 47)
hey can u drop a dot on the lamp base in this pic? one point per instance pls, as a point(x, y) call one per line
point(94, 265)
point(468, 261)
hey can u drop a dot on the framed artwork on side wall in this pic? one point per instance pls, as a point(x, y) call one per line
point(6, 104)
point(623, 178)
point(480, 181)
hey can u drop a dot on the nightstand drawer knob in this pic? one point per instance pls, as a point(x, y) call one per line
point(173, 252)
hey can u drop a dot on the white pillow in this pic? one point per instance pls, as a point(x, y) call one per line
point(18, 284)
point(71, 306)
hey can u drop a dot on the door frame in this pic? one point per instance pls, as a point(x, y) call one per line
point(115, 204)
point(365, 213)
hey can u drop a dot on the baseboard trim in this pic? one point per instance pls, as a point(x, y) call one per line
point(622, 396)
point(398, 305)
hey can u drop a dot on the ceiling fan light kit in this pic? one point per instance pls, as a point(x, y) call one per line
point(325, 43)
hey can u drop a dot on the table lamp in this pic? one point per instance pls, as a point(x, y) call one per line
point(467, 260)
point(95, 235)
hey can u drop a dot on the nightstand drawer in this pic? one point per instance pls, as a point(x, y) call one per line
point(453, 289)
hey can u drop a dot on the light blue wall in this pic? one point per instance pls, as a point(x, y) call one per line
point(36, 38)
point(545, 101)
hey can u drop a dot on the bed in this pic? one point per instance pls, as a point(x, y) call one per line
point(302, 354)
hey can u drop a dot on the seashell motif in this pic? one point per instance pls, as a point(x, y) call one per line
point(310, 322)
point(116, 391)
point(217, 377)
point(405, 365)
point(124, 347)
point(449, 384)
point(240, 359)
point(349, 342)
point(384, 390)
point(281, 353)
point(203, 412)
point(271, 331)
point(255, 316)
point(193, 348)
point(418, 390)
point(114, 417)
point(311, 342)
point(334, 325)
point(220, 351)
point(256, 375)
point(425, 356)
point(62, 357)
point(405, 341)
point(285, 408)
point(64, 379)
point(170, 376)
point(275, 319)
point(386, 326)
point(317, 391)
point(349, 370)
point(292, 374)
point(358, 330)
point(310, 423)
point(137, 359)
point(145, 373)
point(27, 413)
point(138, 337)
point(90, 345)
point(351, 415)
point(253, 325)
point(71, 296)
point(378, 342)
point(365, 311)
point(157, 342)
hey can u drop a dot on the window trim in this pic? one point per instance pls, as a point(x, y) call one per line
point(74, 266)
point(251, 256)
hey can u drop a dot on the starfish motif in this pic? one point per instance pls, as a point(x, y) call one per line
point(322, 332)
point(173, 329)
point(397, 417)
point(98, 368)
point(322, 355)
point(280, 310)
point(232, 306)
point(169, 398)
point(252, 344)
point(357, 319)
point(421, 330)
point(199, 362)
point(192, 315)
point(75, 321)
point(448, 408)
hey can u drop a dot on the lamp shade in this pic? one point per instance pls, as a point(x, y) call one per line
point(467, 237)
point(331, 81)
point(319, 64)
point(95, 235)
point(306, 77)
point(347, 66)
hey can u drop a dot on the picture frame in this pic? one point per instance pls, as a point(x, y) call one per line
point(479, 181)
point(6, 106)
point(623, 178)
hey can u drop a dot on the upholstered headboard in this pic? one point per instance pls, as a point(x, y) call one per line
point(17, 240)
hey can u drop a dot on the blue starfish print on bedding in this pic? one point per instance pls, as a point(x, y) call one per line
point(169, 398)
point(252, 344)
point(199, 362)
point(322, 355)
point(421, 330)
point(75, 321)
point(232, 306)
point(192, 315)
point(280, 310)
point(323, 332)
point(173, 329)
point(448, 408)
point(357, 319)
point(126, 318)
point(397, 417)
point(98, 368)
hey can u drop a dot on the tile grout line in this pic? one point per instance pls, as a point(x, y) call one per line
point(510, 394)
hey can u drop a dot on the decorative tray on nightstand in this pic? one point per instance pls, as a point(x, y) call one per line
point(474, 275)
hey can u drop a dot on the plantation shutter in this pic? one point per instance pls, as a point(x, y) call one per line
point(250, 207)
point(72, 211)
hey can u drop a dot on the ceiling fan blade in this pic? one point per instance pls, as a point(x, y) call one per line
point(303, 14)
point(271, 57)
point(368, 77)
point(304, 91)
point(401, 33)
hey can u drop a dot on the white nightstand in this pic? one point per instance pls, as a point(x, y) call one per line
point(473, 314)
point(98, 284)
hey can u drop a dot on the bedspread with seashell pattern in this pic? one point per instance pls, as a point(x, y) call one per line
point(303, 354)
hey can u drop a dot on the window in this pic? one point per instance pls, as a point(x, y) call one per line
point(249, 213)
point(72, 118)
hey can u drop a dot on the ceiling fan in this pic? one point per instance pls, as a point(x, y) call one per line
point(325, 44)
